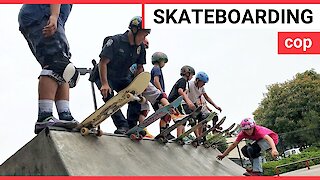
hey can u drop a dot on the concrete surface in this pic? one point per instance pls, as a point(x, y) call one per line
point(313, 171)
point(69, 153)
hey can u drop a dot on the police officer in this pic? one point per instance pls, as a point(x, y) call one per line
point(117, 55)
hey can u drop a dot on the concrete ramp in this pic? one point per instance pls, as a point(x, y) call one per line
point(69, 153)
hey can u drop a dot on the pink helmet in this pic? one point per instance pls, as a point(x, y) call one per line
point(247, 123)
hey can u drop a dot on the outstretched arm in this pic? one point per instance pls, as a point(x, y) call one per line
point(211, 102)
point(186, 99)
point(226, 152)
point(274, 151)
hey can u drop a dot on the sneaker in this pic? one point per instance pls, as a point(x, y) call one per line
point(52, 121)
point(252, 173)
point(66, 116)
point(148, 135)
point(185, 139)
point(191, 137)
point(121, 130)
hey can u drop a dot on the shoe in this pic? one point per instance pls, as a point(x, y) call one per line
point(52, 121)
point(148, 135)
point(192, 122)
point(252, 173)
point(121, 130)
point(66, 116)
point(191, 137)
point(186, 140)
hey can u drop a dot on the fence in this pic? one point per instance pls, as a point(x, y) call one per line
point(306, 162)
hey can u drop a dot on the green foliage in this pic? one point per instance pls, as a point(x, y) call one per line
point(292, 109)
point(311, 152)
point(219, 140)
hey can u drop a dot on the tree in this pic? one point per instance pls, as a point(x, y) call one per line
point(292, 109)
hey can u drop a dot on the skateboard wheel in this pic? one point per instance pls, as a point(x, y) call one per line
point(143, 133)
point(194, 144)
point(99, 133)
point(129, 96)
point(180, 142)
point(143, 100)
point(161, 140)
point(140, 137)
point(84, 131)
point(133, 137)
point(206, 145)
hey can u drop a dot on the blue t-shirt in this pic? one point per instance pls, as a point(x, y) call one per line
point(122, 55)
point(33, 14)
point(156, 71)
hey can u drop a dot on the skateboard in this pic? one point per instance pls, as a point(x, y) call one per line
point(217, 137)
point(161, 138)
point(196, 141)
point(130, 93)
point(137, 132)
point(195, 127)
point(232, 132)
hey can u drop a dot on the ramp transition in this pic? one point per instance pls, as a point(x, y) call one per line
point(68, 153)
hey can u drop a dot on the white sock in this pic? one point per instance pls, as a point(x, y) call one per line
point(62, 106)
point(45, 105)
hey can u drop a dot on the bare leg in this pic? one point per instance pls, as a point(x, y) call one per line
point(62, 92)
point(180, 130)
point(47, 88)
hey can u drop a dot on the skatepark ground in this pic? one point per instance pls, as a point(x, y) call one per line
point(69, 153)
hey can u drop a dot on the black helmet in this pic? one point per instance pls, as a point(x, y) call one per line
point(187, 69)
point(136, 22)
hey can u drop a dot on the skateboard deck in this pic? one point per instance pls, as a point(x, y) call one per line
point(192, 129)
point(237, 128)
point(130, 93)
point(195, 142)
point(137, 132)
point(217, 137)
point(162, 136)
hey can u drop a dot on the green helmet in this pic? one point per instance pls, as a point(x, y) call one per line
point(158, 57)
point(187, 69)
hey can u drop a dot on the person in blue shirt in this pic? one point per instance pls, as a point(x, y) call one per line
point(42, 25)
point(118, 54)
point(159, 60)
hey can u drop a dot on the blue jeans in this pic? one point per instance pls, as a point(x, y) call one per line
point(133, 107)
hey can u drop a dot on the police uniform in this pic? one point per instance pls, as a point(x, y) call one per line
point(122, 55)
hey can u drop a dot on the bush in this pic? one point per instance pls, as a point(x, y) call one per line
point(309, 153)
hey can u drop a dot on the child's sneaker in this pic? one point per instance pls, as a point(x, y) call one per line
point(186, 140)
point(52, 121)
point(68, 119)
point(191, 137)
point(252, 173)
point(148, 135)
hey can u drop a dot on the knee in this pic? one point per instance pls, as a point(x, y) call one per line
point(166, 118)
point(251, 151)
point(62, 70)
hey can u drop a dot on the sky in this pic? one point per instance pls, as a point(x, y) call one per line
point(241, 63)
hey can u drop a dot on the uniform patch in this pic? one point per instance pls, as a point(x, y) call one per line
point(109, 42)
point(138, 50)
